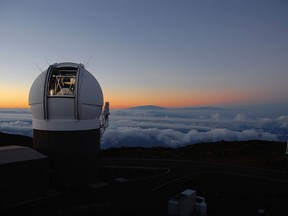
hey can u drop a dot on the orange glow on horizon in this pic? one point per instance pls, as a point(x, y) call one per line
point(122, 99)
point(13, 99)
point(172, 98)
point(14, 103)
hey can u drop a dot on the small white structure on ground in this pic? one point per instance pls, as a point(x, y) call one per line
point(182, 204)
point(200, 206)
point(187, 203)
point(66, 104)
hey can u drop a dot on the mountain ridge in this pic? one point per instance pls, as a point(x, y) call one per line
point(154, 107)
point(147, 107)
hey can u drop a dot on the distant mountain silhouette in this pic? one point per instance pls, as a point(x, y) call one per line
point(203, 108)
point(148, 107)
point(153, 107)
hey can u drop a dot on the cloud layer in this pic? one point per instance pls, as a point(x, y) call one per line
point(152, 137)
point(16, 121)
point(168, 127)
point(174, 128)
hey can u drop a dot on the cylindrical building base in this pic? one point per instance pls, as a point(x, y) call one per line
point(73, 155)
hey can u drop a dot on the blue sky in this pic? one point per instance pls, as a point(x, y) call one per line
point(162, 52)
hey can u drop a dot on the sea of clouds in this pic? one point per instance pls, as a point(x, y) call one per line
point(152, 126)
point(16, 121)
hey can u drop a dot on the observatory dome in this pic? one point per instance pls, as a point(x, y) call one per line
point(66, 97)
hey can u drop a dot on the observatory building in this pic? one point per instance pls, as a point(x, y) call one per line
point(66, 104)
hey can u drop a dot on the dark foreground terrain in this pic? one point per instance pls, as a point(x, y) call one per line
point(253, 153)
point(236, 178)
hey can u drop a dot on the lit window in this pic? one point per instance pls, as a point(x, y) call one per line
point(62, 82)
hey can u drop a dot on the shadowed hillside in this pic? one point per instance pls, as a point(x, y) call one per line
point(267, 154)
point(12, 139)
point(249, 153)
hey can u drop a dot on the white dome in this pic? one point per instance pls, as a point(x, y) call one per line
point(66, 97)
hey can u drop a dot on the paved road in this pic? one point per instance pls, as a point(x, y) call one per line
point(172, 171)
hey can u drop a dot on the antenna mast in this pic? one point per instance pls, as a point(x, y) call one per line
point(87, 63)
point(38, 67)
point(46, 61)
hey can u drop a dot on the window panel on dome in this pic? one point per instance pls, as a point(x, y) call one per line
point(62, 82)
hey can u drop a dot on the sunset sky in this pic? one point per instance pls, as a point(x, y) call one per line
point(171, 53)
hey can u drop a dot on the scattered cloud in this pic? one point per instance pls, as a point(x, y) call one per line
point(283, 120)
point(240, 117)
